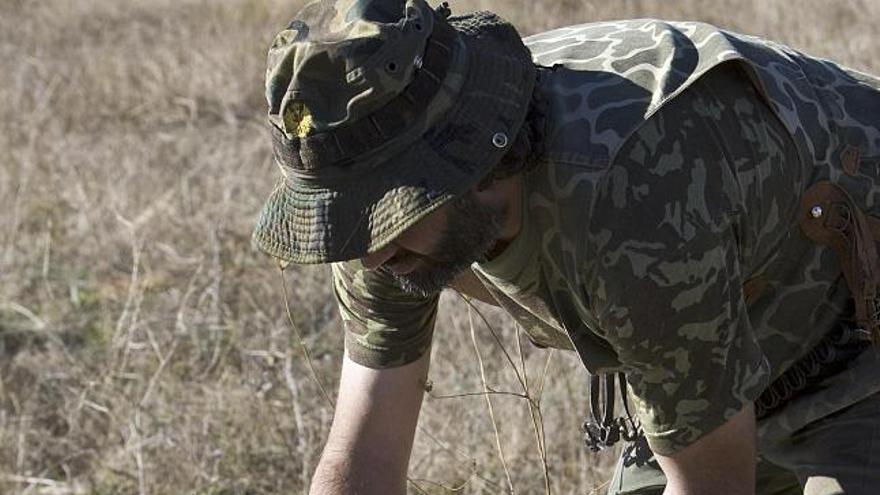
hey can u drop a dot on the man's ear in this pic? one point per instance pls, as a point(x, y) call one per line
point(504, 195)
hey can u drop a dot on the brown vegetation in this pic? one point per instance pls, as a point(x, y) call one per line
point(144, 345)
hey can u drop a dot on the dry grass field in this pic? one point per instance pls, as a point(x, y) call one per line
point(144, 344)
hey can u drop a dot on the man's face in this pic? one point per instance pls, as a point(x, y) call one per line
point(427, 256)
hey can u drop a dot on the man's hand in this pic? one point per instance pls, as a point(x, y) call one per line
point(371, 438)
point(723, 461)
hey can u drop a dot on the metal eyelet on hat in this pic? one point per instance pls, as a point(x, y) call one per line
point(500, 140)
point(816, 212)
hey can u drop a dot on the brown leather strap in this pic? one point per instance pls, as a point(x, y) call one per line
point(753, 289)
point(829, 217)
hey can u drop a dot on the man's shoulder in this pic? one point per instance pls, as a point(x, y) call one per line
point(607, 42)
point(607, 78)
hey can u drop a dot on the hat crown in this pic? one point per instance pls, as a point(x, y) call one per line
point(338, 61)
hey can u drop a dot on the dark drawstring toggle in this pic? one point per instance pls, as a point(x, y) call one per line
point(443, 10)
point(602, 429)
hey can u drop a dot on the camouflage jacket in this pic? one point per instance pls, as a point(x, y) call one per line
point(648, 278)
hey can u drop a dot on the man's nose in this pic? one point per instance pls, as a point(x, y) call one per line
point(374, 260)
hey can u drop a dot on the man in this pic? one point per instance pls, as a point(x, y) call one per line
point(687, 206)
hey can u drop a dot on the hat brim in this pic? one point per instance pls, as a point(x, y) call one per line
point(304, 224)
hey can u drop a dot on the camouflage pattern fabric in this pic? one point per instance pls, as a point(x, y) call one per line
point(820, 441)
point(675, 156)
point(359, 89)
point(385, 326)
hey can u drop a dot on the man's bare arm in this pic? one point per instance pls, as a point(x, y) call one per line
point(723, 461)
point(371, 438)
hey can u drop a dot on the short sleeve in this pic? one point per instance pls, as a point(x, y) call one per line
point(666, 280)
point(385, 326)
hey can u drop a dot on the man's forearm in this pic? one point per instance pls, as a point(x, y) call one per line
point(723, 461)
point(332, 478)
point(371, 438)
point(337, 475)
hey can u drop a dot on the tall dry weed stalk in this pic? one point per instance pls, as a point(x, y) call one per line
point(144, 344)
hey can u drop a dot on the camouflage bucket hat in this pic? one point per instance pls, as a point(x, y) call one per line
point(381, 111)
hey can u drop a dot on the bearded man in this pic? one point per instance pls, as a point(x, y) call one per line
point(686, 206)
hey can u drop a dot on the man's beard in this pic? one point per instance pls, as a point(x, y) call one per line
point(472, 230)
